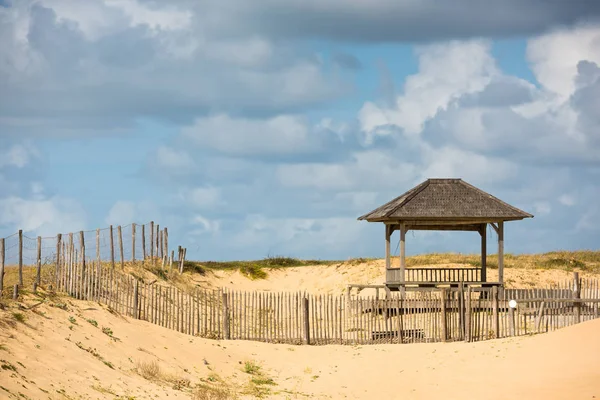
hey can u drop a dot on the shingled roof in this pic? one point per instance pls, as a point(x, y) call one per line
point(445, 200)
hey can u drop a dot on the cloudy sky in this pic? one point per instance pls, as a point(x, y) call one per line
point(266, 127)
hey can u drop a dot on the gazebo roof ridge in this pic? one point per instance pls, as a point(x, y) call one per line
point(436, 198)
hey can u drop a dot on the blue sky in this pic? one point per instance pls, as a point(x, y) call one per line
point(270, 129)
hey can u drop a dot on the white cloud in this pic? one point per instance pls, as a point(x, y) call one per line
point(282, 134)
point(176, 160)
point(542, 208)
point(18, 155)
point(125, 212)
point(45, 217)
point(566, 200)
point(447, 71)
point(201, 197)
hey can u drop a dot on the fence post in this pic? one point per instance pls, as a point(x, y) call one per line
point(35, 286)
point(226, 333)
point(2, 257)
point(82, 247)
point(171, 260)
point(157, 240)
point(160, 240)
point(38, 277)
point(306, 321)
point(444, 321)
point(98, 257)
point(511, 320)
point(20, 257)
point(133, 242)
point(136, 300)
point(112, 247)
point(15, 291)
point(57, 267)
point(166, 242)
point(120, 232)
point(461, 309)
point(468, 315)
point(577, 295)
point(151, 240)
point(144, 242)
point(495, 320)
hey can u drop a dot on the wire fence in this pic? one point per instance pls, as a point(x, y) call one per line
point(115, 245)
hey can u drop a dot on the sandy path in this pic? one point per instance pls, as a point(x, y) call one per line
point(49, 364)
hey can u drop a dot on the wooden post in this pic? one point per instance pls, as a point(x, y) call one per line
point(133, 242)
point(495, 316)
point(387, 248)
point(402, 253)
point(20, 257)
point(540, 315)
point(161, 244)
point(166, 241)
point(136, 300)
point(501, 251)
point(82, 247)
point(577, 295)
point(57, 266)
point(483, 252)
point(468, 315)
point(144, 242)
point(171, 260)
point(226, 333)
point(157, 241)
point(511, 320)
point(2, 259)
point(461, 309)
point(306, 321)
point(444, 321)
point(38, 277)
point(15, 292)
point(112, 248)
point(120, 233)
point(183, 251)
point(35, 286)
point(151, 239)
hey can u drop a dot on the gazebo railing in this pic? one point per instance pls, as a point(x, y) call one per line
point(421, 274)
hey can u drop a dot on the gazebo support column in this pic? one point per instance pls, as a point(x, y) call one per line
point(483, 233)
point(387, 247)
point(501, 252)
point(402, 252)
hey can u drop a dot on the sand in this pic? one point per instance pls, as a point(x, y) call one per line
point(320, 279)
point(48, 364)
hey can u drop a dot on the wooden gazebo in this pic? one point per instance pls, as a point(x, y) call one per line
point(447, 205)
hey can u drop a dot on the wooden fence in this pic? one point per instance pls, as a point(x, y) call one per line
point(113, 245)
point(452, 314)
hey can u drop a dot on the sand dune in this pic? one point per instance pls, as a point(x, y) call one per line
point(49, 356)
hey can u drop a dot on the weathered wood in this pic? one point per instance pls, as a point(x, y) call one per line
point(112, 247)
point(20, 257)
point(133, 242)
point(443, 315)
point(166, 241)
point(501, 251)
point(152, 240)
point(15, 292)
point(2, 261)
point(468, 315)
point(483, 252)
point(136, 300)
point(121, 255)
point(577, 295)
point(511, 321)
point(226, 332)
point(387, 247)
point(538, 320)
point(57, 266)
point(144, 242)
point(38, 277)
point(402, 253)
point(495, 312)
point(305, 310)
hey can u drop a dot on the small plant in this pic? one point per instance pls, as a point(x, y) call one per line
point(95, 353)
point(208, 392)
point(262, 381)
point(72, 320)
point(251, 368)
point(253, 271)
point(149, 370)
point(19, 317)
point(93, 322)
point(7, 366)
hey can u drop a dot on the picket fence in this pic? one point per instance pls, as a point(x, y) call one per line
point(452, 314)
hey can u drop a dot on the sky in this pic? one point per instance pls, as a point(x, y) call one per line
point(253, 129)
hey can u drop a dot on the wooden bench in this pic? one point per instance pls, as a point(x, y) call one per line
point(412, 333)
